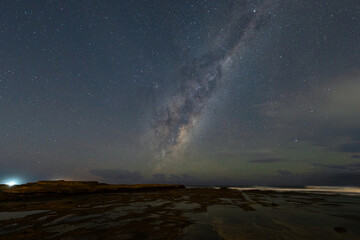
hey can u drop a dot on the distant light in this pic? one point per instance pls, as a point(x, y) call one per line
point(11, 181)
point(10, 184)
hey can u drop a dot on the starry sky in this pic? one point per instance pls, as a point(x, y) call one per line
point(194, 92)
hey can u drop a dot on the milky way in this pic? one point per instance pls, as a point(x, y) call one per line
point(201, 79)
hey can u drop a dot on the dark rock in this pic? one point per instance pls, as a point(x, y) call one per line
point(340, 229)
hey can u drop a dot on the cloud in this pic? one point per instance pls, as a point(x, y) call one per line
point(326, 175)
point(183, 178)
point(323, 114)
point(345, 179)
point(117, 175)
point(267, 160)
point(285, 173)
point(348, 167)
point(333, 178)
point(329, 166)
point(159, 177)
point(178, 179)
point(350, 147)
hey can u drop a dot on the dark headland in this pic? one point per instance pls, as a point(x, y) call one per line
point(61, 187)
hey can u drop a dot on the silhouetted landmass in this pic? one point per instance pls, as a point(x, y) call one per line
point(53, 188)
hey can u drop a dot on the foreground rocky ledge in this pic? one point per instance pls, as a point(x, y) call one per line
point(45, 188)
point(182, 214)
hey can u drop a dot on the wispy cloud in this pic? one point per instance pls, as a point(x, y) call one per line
point(349, 147)
point(117, 175)
point(267, 160)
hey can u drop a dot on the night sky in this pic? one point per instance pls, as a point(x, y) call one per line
point(193, 92)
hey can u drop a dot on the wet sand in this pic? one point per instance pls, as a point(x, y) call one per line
point(191, 213)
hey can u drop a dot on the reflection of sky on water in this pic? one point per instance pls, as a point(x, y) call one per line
point(296, 217)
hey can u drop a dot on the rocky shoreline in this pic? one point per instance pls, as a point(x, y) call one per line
point(172, 212)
